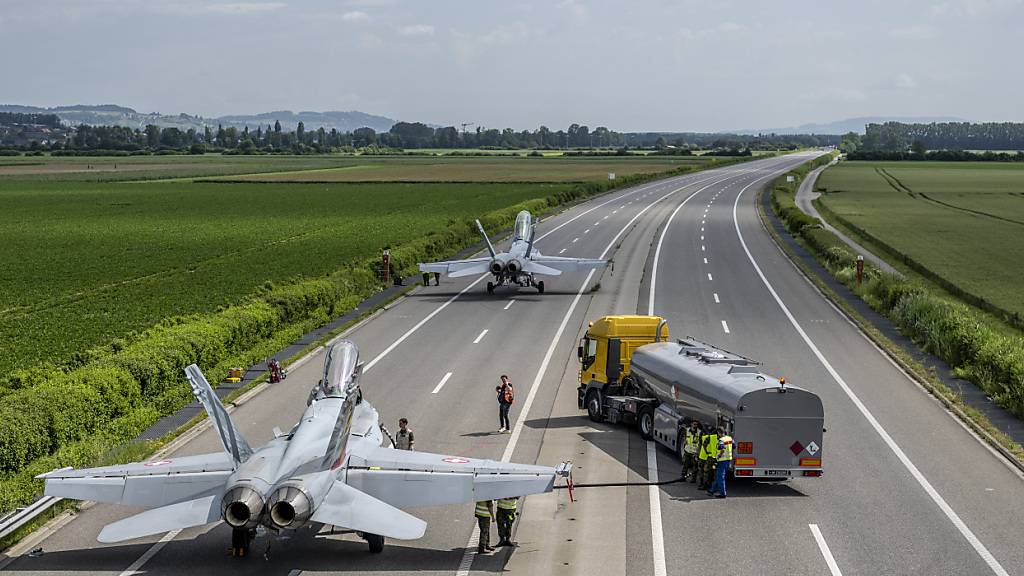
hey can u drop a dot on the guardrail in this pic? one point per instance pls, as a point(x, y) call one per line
point(21, 516)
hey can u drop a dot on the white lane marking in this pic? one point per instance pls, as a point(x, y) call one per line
point(605, 217)
point(614, 212)
point(587, 231)
point(441, 384)
point(295, 572)
point(661, 240)
point(717, 301)
point(598, 223)
point(703, 248)
point(517, 429)
point(136, 566)
point(705, 260)
point(562, 251)
point(653, 494)
point(951, 514)
point(702, 228)
point(623, 206)
point(702, 237)
point(480, 337)
point(709, 276)
point(823, 546)
point(510, 303)
point(575, 240)
point(725, 326)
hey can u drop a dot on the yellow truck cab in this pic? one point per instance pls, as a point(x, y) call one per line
point(606, 348)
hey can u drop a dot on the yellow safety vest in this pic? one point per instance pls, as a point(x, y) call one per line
point(508, 503)
point(725, 454)
point(482, 510)
point(712, 446)
point(692, 438)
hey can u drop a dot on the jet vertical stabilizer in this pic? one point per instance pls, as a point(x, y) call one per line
point(230, 437)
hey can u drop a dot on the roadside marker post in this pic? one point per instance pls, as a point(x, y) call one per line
point(860, 269)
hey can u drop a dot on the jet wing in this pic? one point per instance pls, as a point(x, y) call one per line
point(457, 268)
point(407, 479)
point(150, 484)
point(562, 264)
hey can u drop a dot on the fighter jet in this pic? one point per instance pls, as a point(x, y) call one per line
point(331, 468)
point(517, 266)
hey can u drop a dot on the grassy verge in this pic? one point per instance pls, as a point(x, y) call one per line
point(905, 302)
point(89, 414)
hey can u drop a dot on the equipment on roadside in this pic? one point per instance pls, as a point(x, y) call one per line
point(631, 373)
point(235, 375)
point(277, 372)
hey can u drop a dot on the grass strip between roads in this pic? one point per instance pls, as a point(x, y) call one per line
point(829, 250)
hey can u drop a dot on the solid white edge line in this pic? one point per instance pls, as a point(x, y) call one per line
point(653, 494)
point(480, 337)
point(441, 384)
point(823, 546)
point(725, 326)
point(156, 547)
point(953, 517)
point(510, 303)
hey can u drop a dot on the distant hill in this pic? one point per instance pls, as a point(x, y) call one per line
point(851, 125)
point(113, 115)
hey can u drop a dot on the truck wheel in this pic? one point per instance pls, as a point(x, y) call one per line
point(375, 541)
point(594, 406)
point(540, 287)
point(681, 443)
point(645, 422)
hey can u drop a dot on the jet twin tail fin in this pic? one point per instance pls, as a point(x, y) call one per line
point(490, 247)
point(230, 437)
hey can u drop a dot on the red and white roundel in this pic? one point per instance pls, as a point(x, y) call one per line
point(157, 463)
point(456, 460)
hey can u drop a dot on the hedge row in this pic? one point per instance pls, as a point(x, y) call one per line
point(61, 408)
point(978, 348)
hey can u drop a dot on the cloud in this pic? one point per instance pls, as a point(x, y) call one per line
point(355, 16)
point(245, 7)
point(913, 32)
point(731, 27)
point(905, 81)
point(417, 30)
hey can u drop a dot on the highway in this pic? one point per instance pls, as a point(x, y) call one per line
point(907, 489)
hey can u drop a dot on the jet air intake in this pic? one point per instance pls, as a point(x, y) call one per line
point(243, 507)
point(289, 507)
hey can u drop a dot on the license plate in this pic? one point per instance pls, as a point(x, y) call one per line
point(778, 472)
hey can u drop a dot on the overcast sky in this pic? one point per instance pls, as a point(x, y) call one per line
point(629, 65)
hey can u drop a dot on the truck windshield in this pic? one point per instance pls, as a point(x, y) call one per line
point(589, 352)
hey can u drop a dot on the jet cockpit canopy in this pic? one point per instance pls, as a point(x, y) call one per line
point(341, 369)
point(522, 227)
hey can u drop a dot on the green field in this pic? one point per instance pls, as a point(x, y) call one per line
point(87, 262)
point(962, 221)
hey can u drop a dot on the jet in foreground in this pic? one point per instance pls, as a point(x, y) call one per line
point(517, 266)
point(331, 468)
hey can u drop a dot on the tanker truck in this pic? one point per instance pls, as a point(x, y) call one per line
point(631, 373)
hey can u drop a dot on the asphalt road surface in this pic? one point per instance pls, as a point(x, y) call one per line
point(907, 489)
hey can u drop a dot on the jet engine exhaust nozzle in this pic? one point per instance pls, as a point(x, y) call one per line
point(497, 266)
point(243, 507)
point(289, 507)
point(514, 266)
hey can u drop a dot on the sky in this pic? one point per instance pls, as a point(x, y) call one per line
point(631, 65)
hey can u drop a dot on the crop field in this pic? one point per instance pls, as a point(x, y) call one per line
point(550, 169)
point(86, 262)
point(962, 221)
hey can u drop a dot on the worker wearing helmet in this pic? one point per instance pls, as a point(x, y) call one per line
point(722, 464)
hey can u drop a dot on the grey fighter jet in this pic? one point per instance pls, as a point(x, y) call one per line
point(517, 266)
point(331, 468)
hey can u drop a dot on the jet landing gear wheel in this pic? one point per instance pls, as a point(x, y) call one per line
point(490, 287)
point(375, 541)
point(540, 287)
point(240, 540)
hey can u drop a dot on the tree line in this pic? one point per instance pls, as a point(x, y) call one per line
point(898, 136)
point(48, 120)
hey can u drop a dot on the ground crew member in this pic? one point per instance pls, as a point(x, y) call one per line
point(426, 278)
point(702, 458)
point(506, 516)
point(722, 466)
point(404, 440)
point(691, 443)
point(437, 278)
point(711, 449)
point(506, 395)
point(484, 511)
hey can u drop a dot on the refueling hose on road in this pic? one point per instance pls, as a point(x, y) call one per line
point(570, 486)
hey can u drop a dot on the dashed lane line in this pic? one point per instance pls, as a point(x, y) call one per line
point(480, 337)
point(444, 380)
point(830, 560)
